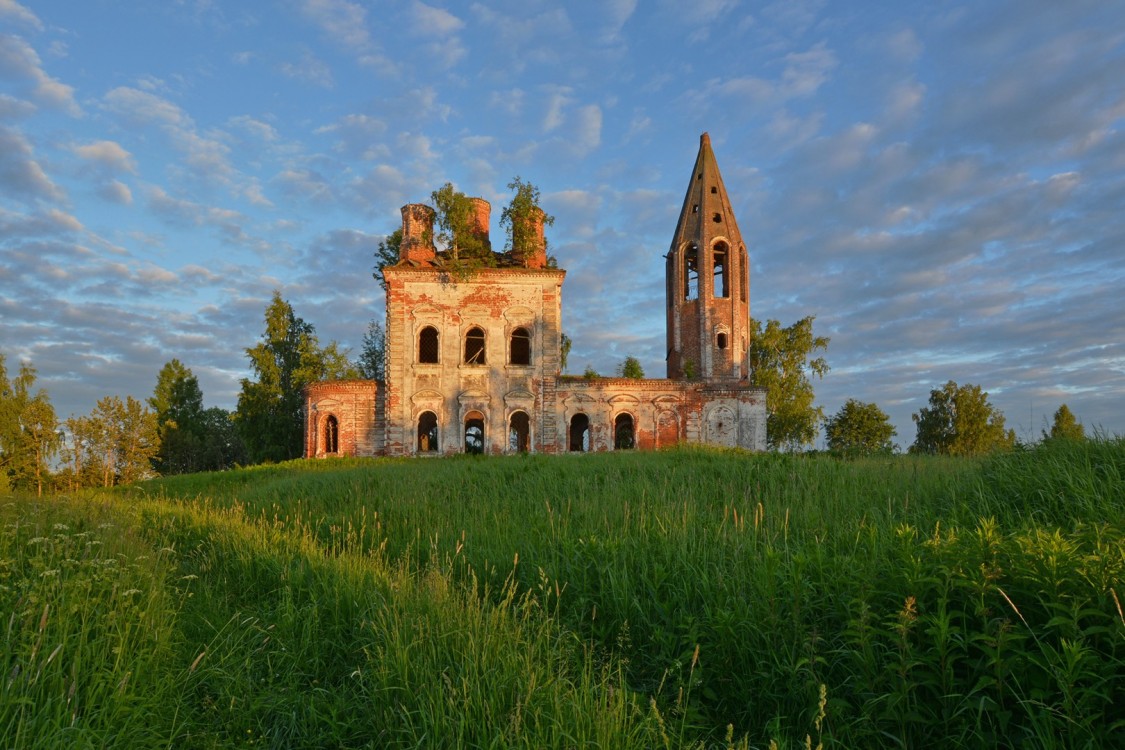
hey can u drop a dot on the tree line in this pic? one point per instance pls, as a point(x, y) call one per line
point(122, 441)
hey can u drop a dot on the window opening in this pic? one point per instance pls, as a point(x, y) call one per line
point(717, 218)
point(580, 433)
point(714, 190)
point(519, 433)
point(722, 341)
point(474, 433)
point(744, 277)
point(428, 346)
point(521, 347)
point(691, 272)
point(720, 282)
point(695, 208)
point(331, 435)
point(427, 432)
point(474, 347)
point(623, 434)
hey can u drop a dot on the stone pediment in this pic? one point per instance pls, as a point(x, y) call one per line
point(519, 396)
point(666, 399)
point(579, 399)
point(427, 311)
point(624, 399)
point(427, 397)
point(473, 314)
point(473, 396)
point(519, 314)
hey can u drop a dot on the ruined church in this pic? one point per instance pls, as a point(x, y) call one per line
point(473, 361)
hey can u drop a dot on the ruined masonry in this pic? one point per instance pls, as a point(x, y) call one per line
point(473, 360)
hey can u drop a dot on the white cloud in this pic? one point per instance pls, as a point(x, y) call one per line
point(20, 173)
point(17, 13)
point(556, 104)
point(430, 21)
point(142, 108)
point(905, 46)
point(12, 108)
point(805, 72)
point(588, 128)
point(309, 69)
point(616, 13)
point(262, 131)
point(116, 192)
point(107, 154)
point(19, 61)
point(344, 22)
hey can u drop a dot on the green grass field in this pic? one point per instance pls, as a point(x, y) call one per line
point(687, 598)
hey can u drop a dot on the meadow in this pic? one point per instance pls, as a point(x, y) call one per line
point(685, 598)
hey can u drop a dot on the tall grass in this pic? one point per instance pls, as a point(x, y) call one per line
point(684, 598)
point(87, 630)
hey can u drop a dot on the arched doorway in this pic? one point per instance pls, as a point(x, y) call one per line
point(579, 433)
point(519, 432)
point(331, 435)
point(474, 433)
point(427, 432)
point(624, 435)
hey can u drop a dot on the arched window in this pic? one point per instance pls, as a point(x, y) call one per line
point(331, 435)
point(519, 433)
point(720, 277)
point(427, 432)
point(721, 340)
point(474, 433)
point(520, 347)
point(428, 346)
point(691, 272)
point(623, 433)
point(474, 346)
point(579, 433)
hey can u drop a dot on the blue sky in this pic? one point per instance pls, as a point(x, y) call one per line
point(941, 184)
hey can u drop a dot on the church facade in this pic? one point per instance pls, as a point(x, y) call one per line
point(474, 359)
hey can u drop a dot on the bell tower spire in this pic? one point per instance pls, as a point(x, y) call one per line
point(708, 281)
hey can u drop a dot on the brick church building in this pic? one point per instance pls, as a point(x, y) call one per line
point(473, 360)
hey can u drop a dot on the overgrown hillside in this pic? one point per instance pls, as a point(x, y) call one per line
point(670, 599)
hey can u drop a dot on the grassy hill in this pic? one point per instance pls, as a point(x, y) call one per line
point(673, 599)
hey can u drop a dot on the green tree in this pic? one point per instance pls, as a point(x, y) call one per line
point(223, 449)
point(178, 404)
point(960, 421)
point(120, 438)
point(1065, 426)
point(29, 431)
point(630, 368)
point(289, 357)
point(859, 429)
point(83, 463)
point(564, 350)
point(372, 362)
point(387, 255)
point(781, 361)
point(454, 220)
point(519, 218)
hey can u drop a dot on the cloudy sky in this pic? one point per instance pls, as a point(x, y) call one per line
point(941, 184)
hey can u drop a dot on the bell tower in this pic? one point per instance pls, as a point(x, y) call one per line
point(708, 281)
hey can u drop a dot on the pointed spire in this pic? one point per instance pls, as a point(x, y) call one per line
point(707, 212)
point(708, 280)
